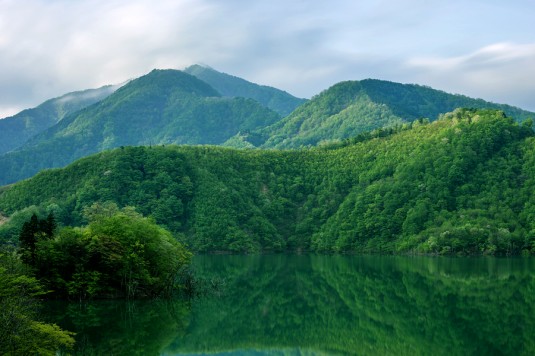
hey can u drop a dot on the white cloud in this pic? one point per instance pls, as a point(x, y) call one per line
point(501, 72)
point(7, 111)
point(50, 47)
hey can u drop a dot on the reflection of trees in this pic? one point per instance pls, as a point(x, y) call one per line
point(332, 304)
point(120, 327)
point(366, 305)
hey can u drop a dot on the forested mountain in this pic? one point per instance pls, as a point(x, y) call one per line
point(17, 129)
point(349, 108)
point(162, 107)
point(173, 107)
point(463, 184)
point(231, 86)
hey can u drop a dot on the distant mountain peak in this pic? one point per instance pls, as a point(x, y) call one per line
point(349, 108)
point(171, 80)
point(232, 86)
point(165, 106)
point(198, 66)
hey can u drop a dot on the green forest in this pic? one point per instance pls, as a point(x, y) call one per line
point(119, 254)
point(230, 86)
point(200, 106)
point(460, 185)
point(200, 161)
point(162, 107)
point(350, 108)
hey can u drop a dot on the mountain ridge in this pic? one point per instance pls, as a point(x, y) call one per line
point(349, 108)
point(17, 129)
point(459, 185)
point(174, 107)
point(228, 85)
point(162, 107)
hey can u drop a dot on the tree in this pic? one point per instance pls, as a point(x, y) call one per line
point(117, 255)
point(48, 225)
point(31, 232)
point(28, 239)
point(20, 332)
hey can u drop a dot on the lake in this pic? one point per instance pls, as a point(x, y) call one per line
point(316, 305)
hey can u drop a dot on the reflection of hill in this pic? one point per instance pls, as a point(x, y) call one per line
point(365, 305)
point(301, 305)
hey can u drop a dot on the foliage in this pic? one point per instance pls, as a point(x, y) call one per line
point(174, 107)
point(460, 185)
point(31, 232)
point(119, 254)
point(20, 332)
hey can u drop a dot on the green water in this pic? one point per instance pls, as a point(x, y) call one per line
point(308, 305)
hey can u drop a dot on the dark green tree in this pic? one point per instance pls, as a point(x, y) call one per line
point(48, 225)
point(28, 238)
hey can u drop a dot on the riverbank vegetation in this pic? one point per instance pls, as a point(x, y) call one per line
point(21, 330)
point(119, 254)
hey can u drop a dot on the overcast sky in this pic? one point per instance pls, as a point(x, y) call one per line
point(480, 48)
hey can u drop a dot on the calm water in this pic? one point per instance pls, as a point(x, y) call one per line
point(308, 305)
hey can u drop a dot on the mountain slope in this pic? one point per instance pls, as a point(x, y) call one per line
point(17, 129)
point(349, 108)
point(162, 107)
point(231, 86)
point(463, 184)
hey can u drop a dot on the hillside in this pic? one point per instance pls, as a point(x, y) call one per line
point(349, 108)
point(162, 107)
point(460, 185)
point(231, 86)
point(17, 129)
point(173, 107)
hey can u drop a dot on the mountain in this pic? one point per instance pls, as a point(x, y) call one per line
point(231, 86)
point(349, 108)
point(17, 129)
point(162, 107)
point(174, 107)
point(460, 185)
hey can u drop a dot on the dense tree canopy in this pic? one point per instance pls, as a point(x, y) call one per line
point(460, 185)
point(119, 254)
point(353, 107)
point(21, 333)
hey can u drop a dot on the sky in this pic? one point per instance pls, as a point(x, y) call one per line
point(480, 48)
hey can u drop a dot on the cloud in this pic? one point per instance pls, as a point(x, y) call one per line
point(51, 47)
point(502, 72)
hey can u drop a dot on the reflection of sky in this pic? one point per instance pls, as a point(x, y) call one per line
point(479, 48)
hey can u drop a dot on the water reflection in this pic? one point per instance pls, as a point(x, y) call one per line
point(332, 304)
point(120, 327)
